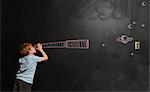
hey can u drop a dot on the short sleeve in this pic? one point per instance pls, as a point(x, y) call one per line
point(37, 59)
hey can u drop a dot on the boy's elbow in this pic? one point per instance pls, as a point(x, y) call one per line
point(46, 58)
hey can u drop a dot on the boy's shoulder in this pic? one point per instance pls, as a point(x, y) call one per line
point(29, 58)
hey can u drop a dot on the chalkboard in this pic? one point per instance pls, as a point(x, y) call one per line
point(107, 65)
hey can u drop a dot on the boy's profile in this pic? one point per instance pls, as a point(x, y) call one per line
point(27, 66)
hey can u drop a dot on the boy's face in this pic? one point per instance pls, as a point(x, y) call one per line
point(32, 50)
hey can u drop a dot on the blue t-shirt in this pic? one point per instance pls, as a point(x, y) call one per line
point(27, 68)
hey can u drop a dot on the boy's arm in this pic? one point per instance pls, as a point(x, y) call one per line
point(45, 57)
point(39, 47)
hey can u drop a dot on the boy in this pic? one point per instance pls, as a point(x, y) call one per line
point(28, 63)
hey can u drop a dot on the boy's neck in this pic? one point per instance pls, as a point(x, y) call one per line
point(31, 54)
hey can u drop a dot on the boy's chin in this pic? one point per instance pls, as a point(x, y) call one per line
point(35, 52)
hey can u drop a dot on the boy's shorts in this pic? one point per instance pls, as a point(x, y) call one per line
point(21, 86)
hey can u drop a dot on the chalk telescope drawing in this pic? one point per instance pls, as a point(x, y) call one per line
point(74, 44)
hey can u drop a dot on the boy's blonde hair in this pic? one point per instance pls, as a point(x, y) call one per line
point(24, 48)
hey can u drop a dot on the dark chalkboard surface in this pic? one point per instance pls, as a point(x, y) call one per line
point(107, 65)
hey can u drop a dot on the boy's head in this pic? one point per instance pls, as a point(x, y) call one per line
point(27, 48)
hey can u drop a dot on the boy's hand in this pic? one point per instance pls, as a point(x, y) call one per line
point(39, 46)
